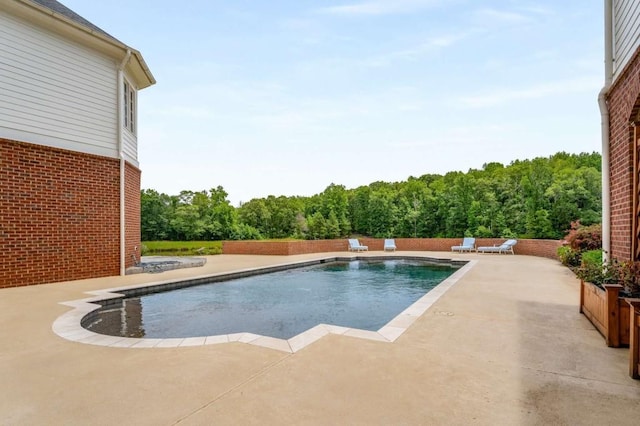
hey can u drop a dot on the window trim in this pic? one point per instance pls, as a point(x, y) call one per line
point(130, 113)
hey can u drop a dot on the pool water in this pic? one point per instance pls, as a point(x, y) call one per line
point(357, 294)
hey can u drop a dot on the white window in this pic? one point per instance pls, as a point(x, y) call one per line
point(129, 107)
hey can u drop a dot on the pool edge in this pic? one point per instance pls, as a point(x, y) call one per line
point(69, 325)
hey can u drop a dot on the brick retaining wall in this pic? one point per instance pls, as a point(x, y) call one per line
point(541, 248)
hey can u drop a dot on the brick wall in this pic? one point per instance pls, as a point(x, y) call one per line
point(624, 104)
point(542, 248)
point(59, 215)
point(132, 215)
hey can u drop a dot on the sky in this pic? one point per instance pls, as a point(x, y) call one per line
point(285, 97)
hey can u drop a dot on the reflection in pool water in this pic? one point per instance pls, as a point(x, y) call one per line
point(356, 294)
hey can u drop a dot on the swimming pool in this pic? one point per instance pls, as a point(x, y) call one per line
point(362, 294)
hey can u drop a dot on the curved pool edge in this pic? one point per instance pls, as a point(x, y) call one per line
point(69, 325)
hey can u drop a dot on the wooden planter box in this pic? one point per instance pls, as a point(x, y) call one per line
point(634, 344)
point(609, 313)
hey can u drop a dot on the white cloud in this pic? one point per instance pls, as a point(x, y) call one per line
point(542, 90)
point(496, 16)
point(438, 42)
point(379, 7)
point(430, 45)
point(539, 10)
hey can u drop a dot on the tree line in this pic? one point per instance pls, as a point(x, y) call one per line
point(536, 198)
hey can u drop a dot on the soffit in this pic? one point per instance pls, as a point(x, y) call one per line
point(53, 15)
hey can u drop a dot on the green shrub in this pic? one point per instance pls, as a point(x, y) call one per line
point(508, 233)
point(483, 232)
point(568, 256)
point(581, 240)
point(592, 257)
point(594, 270)
point(243, 231)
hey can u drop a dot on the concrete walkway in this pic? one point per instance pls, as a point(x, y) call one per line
point(504, 346)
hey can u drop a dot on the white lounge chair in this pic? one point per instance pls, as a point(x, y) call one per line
point(506, 247)
point(468, 244)
point(389, 244)
point(354, 245)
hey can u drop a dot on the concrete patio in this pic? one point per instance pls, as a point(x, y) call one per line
point(505, 345)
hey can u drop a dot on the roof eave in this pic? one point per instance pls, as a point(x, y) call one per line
point(149, 79)
point(111, 46)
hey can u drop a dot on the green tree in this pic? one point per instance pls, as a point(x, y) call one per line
point(458, 199)
point(317, 226)
point(414, 197)
point(256, 214)
point(536, 198)
point(335, 199)
point(221, 216)
point(187, 224)
point(358, 209)
point(383, 212)
point(538, 225)
point(155, 215)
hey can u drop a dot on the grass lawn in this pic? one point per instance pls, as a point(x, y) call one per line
point(181, 248)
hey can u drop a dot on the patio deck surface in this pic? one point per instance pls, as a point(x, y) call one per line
point(505, 345)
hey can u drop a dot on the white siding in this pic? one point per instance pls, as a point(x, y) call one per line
point(626, 33)
point(129, 139)
point(55, 92)
point(130, 147)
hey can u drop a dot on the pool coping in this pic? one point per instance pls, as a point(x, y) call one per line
point(70, 324)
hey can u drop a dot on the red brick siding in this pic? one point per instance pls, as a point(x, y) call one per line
point(623, 100)
point(59, 215)
point(542, 248)
point(132, 214)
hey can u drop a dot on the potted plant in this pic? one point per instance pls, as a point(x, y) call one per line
point(603, 290)
point(628, 275)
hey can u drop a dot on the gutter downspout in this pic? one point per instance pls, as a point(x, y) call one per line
point(121, 158)
point(604, 113)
